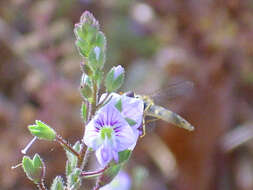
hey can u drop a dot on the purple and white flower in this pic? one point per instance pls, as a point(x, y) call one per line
point(108, 133)
point(132, 110)
point(122, 181)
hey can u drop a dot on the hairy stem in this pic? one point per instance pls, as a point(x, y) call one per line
point(83, 174)
point(103, 101)
point(85, 157)
point(94, 102)
point(60, 140)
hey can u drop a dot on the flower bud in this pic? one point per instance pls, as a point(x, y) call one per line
point(58, 184)
point(86, 33)
point(85, 87)
point(114, 78)
point(86, 69)
point(96, 58)
point(42, 131)
point(89, 19)
point(34, 168)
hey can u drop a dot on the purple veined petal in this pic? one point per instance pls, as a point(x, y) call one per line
point(131, 107)
point(104, 154)
point(136, 136)
point(115, 156)
point(92, 138)
point(125, 138)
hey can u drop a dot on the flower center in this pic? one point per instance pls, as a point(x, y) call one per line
point(106, 132)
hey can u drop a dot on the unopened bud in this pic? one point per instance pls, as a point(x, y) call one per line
point(114, 78)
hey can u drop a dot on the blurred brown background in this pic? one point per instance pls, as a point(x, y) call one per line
point(208, 42)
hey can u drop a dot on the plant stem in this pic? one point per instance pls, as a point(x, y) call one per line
point(83, 174)
point(103, 101)
point(94, 99)
point(60, 140)
point(85, 158)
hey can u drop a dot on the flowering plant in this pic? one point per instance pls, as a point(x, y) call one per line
point(113, 122)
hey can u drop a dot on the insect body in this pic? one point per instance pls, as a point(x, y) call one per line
point(159, 112)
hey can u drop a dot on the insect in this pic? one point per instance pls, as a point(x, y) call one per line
point(159, 112)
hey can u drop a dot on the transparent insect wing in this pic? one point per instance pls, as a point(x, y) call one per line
point(172, 91)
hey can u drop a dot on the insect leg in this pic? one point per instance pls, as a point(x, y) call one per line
point(143, 120)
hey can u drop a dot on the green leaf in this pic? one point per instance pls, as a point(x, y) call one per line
point(124, 156)
point(33, 168)
point(58, 183)
point(130, 121)
point(68, 168)
point(86, 87)
point(98, 76)
point(114, 168)
point(118, 105)
point(109, 174)
point(113, 84)
point(37, 162)
point(74, 180)
point(42, 131)
point(109, 81)
point(91, 33)
point(82, 47)
point(101, 40)
point(96, 58)
point(72, 161)
point(86, 69)
point(84, 112)
point(118, 82)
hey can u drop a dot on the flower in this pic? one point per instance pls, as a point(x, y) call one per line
point(131, 109)
point(108, 133)
point(122, 181)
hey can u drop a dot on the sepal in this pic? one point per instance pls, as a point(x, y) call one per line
point(42, 131)
point(58, 184)
point(34, 168)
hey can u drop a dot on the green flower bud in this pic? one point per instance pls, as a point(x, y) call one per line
point(86, 69)
point(42, 131)
point(34, 168)
point(58, 184)
point(96, 58)
point(74, 181)
point(86, 87)
point(86, 33)
point(114, 78)
point(89, 19)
